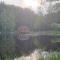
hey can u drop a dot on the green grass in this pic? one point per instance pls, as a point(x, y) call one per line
point(52, 56)
point(7, 58)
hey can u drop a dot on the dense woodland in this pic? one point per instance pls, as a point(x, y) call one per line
point(11, 18)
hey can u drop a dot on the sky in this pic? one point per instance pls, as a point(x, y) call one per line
point(31, 4)
point(24, 3)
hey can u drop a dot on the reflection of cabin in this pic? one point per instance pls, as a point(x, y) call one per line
point(22, 31)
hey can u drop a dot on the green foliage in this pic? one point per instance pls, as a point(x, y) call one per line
point(36, 23)
point(52, 56)
point(7, 27)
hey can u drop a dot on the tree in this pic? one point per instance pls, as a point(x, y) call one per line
point(7, 27)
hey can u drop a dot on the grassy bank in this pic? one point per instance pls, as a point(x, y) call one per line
point(52, 56)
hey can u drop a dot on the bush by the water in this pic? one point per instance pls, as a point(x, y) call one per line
point(52, 56)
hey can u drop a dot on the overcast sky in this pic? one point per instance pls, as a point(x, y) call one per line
point(31, 4)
